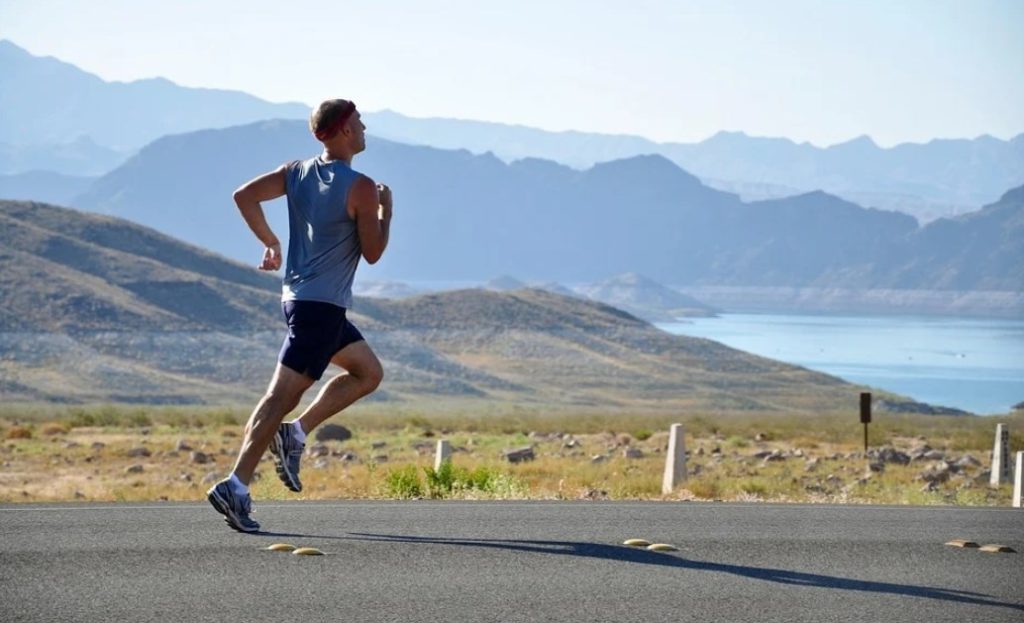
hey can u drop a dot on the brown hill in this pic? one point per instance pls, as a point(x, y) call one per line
point(98, 309)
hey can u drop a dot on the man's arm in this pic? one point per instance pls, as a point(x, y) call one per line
point(248, 197)
point(370, 206)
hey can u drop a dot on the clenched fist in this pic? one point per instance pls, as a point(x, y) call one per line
point(384, 198)
point(271, 258)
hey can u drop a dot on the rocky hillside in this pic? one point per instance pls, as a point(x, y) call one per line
point(97, 309)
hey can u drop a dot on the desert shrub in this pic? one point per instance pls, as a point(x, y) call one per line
point(709, 489)
point(451, 479)
point(737, 442)
point(642, 435)
point(53, 428)
point(403, 483)
point(753, 487)
point(19, 432)
point(440, 482)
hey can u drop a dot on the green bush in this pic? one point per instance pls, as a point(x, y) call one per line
point(440, 482)
point(450, 479)
point(403, 483)
point(737, 442)
point(642, 435)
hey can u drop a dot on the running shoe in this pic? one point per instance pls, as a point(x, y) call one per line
point(287, 451)
point(234, 507)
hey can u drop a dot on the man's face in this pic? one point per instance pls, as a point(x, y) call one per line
point(358, 129)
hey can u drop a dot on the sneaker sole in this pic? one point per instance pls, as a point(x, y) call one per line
point(280, 464)
point(221, 506)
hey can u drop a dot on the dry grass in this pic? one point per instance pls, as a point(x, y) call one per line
point(86, 455)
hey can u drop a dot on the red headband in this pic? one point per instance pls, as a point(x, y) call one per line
point(330, 131)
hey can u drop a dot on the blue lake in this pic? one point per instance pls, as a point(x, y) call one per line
point(970, 364)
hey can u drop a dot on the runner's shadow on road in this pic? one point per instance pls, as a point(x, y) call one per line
point(623, 553)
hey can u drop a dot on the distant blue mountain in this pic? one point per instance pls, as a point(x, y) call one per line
point(939, 178)
point(48, 102)
point(79, 157)
point(44, 186)
point(461, 216)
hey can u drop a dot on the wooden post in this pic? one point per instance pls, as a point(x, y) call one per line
point(865, 416)
point(1018, 481)
point(442, 454)
point(675, 460)
point(1000, 457)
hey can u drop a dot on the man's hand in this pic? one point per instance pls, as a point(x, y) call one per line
point(271, 258)
point(384, 197)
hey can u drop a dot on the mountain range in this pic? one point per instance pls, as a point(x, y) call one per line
point(943, 177)
point(51, 108)
point(100, 309)
point(461, 216)
point(60, 118)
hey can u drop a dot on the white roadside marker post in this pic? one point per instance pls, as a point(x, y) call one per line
point(675, 460)
point(1018, 481)
point(442, 454)
point(1000, 457)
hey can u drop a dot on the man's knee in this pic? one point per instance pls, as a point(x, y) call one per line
point(373, 377)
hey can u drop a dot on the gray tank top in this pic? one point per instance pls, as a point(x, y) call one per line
point(323, 244)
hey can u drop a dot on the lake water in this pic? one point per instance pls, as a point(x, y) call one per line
point(974, 365)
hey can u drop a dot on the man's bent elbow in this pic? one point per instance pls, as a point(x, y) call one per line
point(239, 198)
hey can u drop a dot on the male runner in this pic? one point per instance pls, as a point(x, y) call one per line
point(335, 215)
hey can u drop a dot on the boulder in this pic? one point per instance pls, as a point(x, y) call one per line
point(333, 432)
point(200, 458)
point(968, 460)
point(889, 454)
point(519, 455)
point(938, 472)
point(139, 452)
point(133, 469)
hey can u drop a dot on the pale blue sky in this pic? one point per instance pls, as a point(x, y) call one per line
point(897, 70)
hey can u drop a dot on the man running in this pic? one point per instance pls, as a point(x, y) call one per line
point(335, 215)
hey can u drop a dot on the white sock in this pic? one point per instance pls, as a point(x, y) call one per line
point(300, 436)
point(237, 485)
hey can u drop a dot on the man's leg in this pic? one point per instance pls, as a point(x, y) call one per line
point(231, 496)
point(283, 395)
point(363, 373)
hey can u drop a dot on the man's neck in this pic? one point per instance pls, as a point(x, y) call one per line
point(329, 155)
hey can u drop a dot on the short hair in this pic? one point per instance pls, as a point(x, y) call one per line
point(328, 118)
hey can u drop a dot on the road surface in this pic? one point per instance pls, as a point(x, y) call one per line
point(509, 561)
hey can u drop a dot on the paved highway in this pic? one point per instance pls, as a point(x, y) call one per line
point(509, 561)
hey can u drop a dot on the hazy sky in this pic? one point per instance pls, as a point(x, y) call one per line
point(822, 71)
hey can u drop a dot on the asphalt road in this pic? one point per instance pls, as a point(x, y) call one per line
point(509, 561)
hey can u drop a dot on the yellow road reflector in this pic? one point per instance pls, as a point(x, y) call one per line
point(662, 547)
point(636, 542)
point(998, 549)
point(308, 551)
point(281, 547)
point(962, 543)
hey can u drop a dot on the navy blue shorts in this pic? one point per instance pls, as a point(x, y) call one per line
point(316, 332)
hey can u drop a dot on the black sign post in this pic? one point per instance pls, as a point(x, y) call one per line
point(865, 416)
